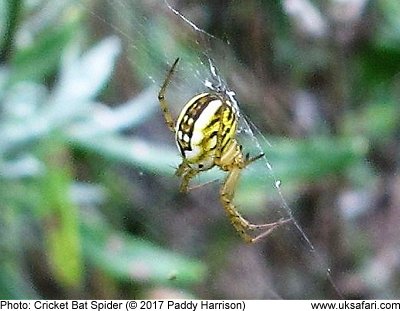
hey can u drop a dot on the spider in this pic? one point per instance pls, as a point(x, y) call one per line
point(205, 133)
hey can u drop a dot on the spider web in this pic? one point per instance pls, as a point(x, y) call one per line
point(198, 72)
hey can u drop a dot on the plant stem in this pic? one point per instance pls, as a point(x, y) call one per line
point(14, 13)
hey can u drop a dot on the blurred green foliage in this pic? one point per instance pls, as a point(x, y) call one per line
point(87, 209)
point(40, 126)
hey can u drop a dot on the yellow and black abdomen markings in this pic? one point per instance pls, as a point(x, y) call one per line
point(204, 118)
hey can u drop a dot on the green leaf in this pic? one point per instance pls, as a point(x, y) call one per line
point(292, 160)
point(315, 157)
point(107, 121)
point(379, 65)
point(137, 152)
point(388, 28)
point(42, 57)
point(80, 81)
point(126, 257)
point(376, 121)
point(13, 284)
point(60, 216)
point(82, 77)
point(296, 162)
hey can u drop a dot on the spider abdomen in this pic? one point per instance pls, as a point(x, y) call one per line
point(206, 124)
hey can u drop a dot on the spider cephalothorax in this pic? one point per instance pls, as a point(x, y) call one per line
point(205, 133)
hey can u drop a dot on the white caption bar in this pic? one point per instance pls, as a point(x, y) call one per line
point(197, 305)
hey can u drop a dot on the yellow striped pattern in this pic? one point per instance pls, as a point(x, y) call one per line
point(206, 119)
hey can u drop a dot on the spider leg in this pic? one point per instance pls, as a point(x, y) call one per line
point(228, 188)
point(249, 160)
point(241, 225)
point(226, 196)
point(202, 185)
point(187, 173)
point(169, 120)
point(267, 227)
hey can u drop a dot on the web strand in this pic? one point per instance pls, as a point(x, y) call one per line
point(221, 87)
point(217, 83)
point(189, 22)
